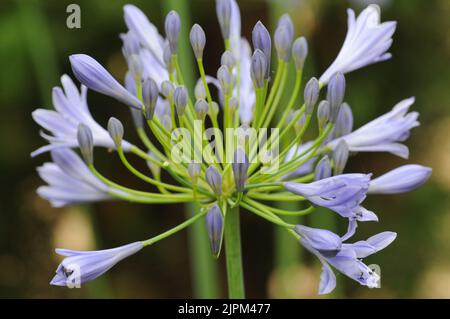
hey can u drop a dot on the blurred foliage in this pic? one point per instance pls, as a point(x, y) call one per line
point(34, 46)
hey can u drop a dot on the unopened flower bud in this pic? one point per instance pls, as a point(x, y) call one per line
point(214, 180)
point(198, 41)
point(240, 168)
point(283, 41)
point(344, 122)
point(225, 80)
point(261, 40)
point(258, 68)
point(199, 90)
point(233, 104)
point(172, 26)
point(299, 52)
point(311, 94)
point(167, 89)
point(115, 130)
point(86, 143)
point(323, 169)
point(194, 170)
point(340, 157)
point(214, 227)
point(150, 96)
point(323, 113)
point(223, 10)
point(215, 108)
point(180, 99)
point(167, 57)
point(228, 60)
point(286, 21)
point(335, 94)
point(201, 109)
point(135, 67)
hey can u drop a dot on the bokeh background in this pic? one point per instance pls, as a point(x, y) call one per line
point(34, 48)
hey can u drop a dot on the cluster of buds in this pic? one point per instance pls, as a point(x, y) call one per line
point(241, 147)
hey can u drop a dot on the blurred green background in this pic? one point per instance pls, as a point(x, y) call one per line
point(34, 48)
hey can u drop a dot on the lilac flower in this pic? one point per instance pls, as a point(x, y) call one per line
point(70, 181)
point(366, 42)
point(342, 193)
point(81, 266)
point(93, 75)
point(346, 258)
point(71, 110)
point(400, 180)
point(138, 23)
point(325, 241)
point(384, 133)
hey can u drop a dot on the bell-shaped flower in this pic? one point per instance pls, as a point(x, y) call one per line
point(384, 133)
point(400, 180)
point(342, 193)
point(71, 110)
point(366, 42)
point(93, 75)
point(346, 258)
point(79, 267)
point(70, 181)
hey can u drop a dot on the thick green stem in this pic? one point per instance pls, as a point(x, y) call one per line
point(233, 254)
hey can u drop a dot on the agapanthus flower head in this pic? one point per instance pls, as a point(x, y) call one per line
point(366, 42)
point(254, 165)
point(79, 267)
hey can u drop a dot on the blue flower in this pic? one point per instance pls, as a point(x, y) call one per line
point(366, 42)
point(81, 266)
point(148, 35)
point(93, 75)
point(70, 181)
point(384, 133)
point(344, 257)
point(342, 194)
point(71, 110)
point(400, 180)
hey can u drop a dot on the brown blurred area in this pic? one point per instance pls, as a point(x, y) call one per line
point(34, 48)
